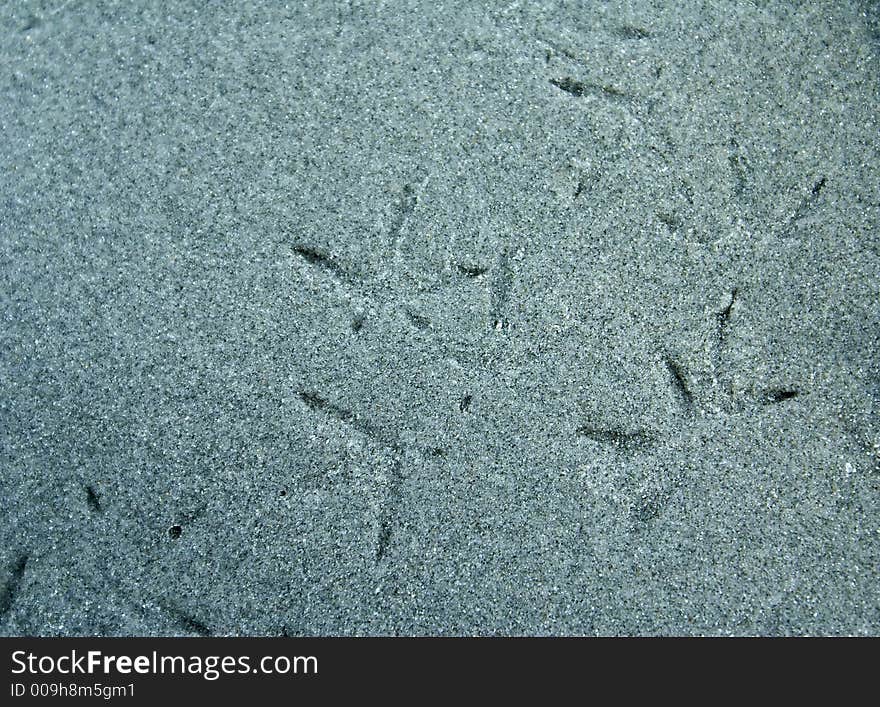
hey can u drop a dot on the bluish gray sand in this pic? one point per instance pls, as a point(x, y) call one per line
point(439, 318)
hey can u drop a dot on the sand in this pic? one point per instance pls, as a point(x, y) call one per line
point(423, 318)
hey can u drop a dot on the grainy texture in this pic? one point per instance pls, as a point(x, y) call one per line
point(439, 318)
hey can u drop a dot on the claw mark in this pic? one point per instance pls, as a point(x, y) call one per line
point(13, 584)
point(317, 403)
point(384, 538)
point(739, 168)
point(723, 319)
point(472, 270)
point(501, 291)
point(680, 384)
point(92, 499)
point(194, 625)
point(671, 221)
point(186, 622)
point(808, 201)
point(578, 89)
point(465, 403)
point(625, 441)
point(559, 49)
point(569, 85)
point(321, 260)
point(417, 320)
point(630, 32)
point(780, 395)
